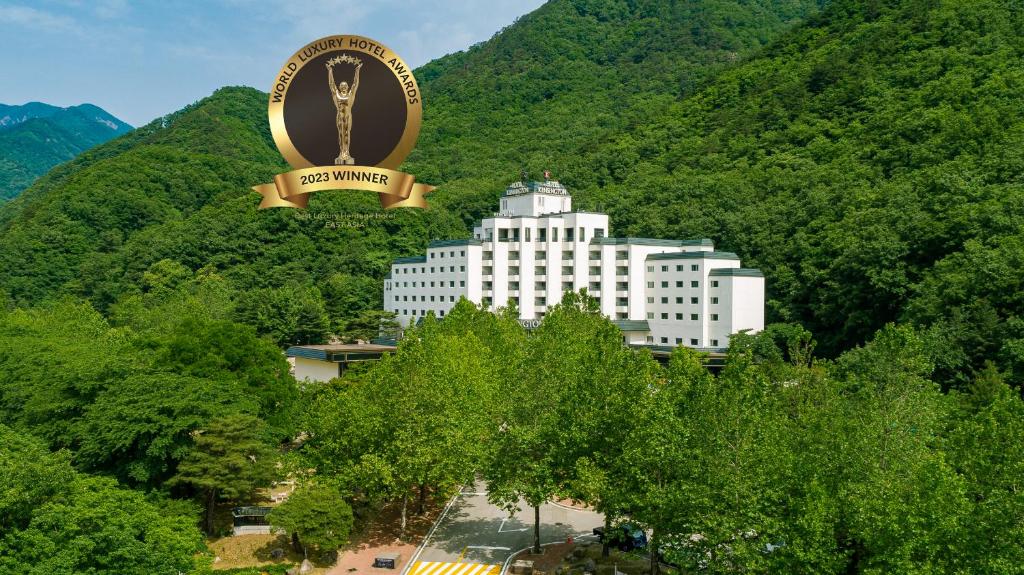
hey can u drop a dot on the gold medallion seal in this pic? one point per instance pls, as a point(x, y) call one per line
point(345, 111)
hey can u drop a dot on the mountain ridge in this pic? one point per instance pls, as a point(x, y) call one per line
point(35, 137)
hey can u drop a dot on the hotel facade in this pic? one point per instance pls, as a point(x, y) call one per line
point(657, 291)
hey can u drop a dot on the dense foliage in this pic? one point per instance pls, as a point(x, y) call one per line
point(778, 464)
point(36, 137)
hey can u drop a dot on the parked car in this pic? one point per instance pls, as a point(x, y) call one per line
point(624, 537)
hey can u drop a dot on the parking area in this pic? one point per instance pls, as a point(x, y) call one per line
point(473, 537)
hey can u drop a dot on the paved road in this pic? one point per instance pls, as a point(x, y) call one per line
point(474, 537)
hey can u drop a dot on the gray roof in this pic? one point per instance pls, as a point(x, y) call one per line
point(694, 256)
point(412, 260)
point(652, 242)
point(737, 272)
point(448, 243)
point(632, 324)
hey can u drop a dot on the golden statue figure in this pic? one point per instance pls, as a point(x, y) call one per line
point(344, 97)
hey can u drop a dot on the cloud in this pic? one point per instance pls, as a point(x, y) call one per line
point(32, 18)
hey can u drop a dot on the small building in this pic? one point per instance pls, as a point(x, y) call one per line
point(250, 520)
point(325, 362)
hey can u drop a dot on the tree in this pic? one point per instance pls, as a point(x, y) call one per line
point(230, 461)
point(59, 522)
point(317, 516)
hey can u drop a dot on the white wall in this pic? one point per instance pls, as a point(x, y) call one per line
point(315, 370)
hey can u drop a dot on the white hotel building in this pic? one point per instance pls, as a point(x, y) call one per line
point(659, 292)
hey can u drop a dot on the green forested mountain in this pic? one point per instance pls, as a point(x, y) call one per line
point(35, 137)
point(868, 159)
point(174, 194)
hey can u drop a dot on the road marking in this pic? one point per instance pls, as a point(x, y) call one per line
point(504, 567)
point(406, 570)
point(446, 568)
point(489, 548)
point(501, 528)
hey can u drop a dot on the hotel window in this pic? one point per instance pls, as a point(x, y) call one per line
point(405, 298)
point(413, 298)
point(568, 234)
point(714, 283)
point(423, 270)
point(650, 339)
point(566, 270)
point(513, 255)
point(432, 254)
point(595, 286)
point(462, 283)
point(442, 313)
point(566, 286)
point(679, 268)
point(693, 300)
point(664, 300)
point(650, 268)
point(714, 300)
point(583, 233)
point(714, 343)
point(679, 340)
point(664, 316)
point(488, 256)
point(528, 234)
point(515, 234)
point(679, 316)
point(622, 301)
point(541, 255)
point(423, 312)
point(679, 284)
point(432, 269)
point(452, 254)
point(462, 253)
point(451, 298)
point(542, 235)
point(396, 298)
point(693, 342)
point(650, 284)
point(664, 284)
point(598, 233)
point(650, 315)
point(622, 271)
point(431, 298)
point(694, 317)
point(650, 300)
point(694, 267)
point(664, 340)
point(694, 284)
point(714, 317)
point(541, 271)
point(664, 268)
point(486, 301)
point(431, 284)
point(461, 268)
point(451, 283)
point(621, 315)
point(622, 285)
point(554, 234)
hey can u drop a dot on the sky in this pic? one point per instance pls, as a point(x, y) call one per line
point(142, 60)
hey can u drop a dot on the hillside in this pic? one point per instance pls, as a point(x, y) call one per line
point(36, 137)
point(178, 189)
point(868, 160)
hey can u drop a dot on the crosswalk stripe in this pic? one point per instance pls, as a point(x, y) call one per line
point(442, 568)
